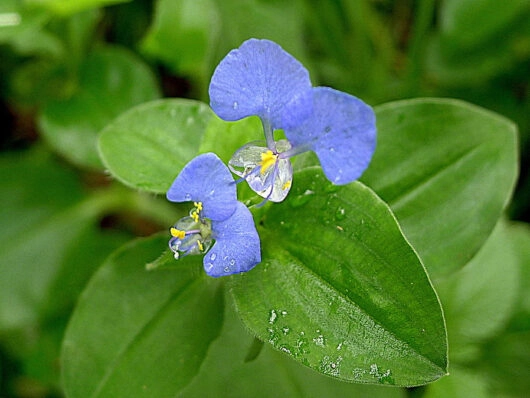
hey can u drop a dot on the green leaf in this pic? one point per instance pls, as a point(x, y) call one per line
point(520, 240)
point(147, 146)
point(136, 331)
point(447, 169)
point(227, 372)
point(104, 92)
point(340, 290)
point(506, 364)
point(461, 382)
point(46, 231)
point(478, 299)
point(180, 35)
point(68, 7)
point(225, 138)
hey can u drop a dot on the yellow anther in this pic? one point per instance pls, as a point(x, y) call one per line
point(286, 185)
point(268, 158)
point(201, 247)
point(177, 233)
point(195, 212)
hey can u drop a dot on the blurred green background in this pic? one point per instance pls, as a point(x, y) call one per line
point(68, 67)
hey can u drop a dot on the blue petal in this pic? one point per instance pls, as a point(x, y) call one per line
point(341, 132)
point(237, 245)
point(206, 179)
point(260, 78)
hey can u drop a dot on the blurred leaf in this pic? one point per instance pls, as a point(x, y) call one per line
point(507, 364)
point(479, 39)
point(156, 326)
point(68, 7)
point(105, 91)
point(227, 373)
point(520, 240)
point(147, 146)
point(340, 289)
point(478, 299)
point(45, 225)
point(23, 28)
point(446, 167)
point(470, 23)
point(461, 382)
point(180, 35)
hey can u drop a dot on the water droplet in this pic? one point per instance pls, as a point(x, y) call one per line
point(340, 214)
point(187, 197)
point(232, 262)
point(286, 330)
point(283, 313)
point(235, 105)
point(226, 269)
point(320, 340)
point(273, 316)
point(213, 256)
point(301, 200)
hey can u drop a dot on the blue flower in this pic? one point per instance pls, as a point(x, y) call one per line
point(260, 78)
point(217, 219)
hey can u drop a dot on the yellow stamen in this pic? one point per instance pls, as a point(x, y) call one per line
point(268, 158)
point(201, 247)
point(195, 212)
point(177, 233)
point(286, 185)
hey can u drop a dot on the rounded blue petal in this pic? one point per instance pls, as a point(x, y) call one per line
point(206, 179)
point(260, 78)
point(341, 131)
point(237, 245)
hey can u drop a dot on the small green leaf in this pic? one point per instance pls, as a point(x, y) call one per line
point(104, 92)
point(478, 299)
point(447, 169)
point(135, 331)
point(341, 290)
point(147, 146)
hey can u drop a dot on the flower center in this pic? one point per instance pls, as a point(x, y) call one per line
point(191, 235)
point(268, 159)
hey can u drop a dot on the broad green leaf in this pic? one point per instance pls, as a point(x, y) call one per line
point(147, 146)
point(46, 231)
point(180, 35)
point(225, 138)
point(227, 372)
point(341, 290)
point(104, 92)
point(447, 169)
point(479, 298)
point(137, 332)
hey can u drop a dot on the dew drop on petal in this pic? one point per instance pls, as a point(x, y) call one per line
point(213, 256)
point(235, 105)
point(187, 197)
